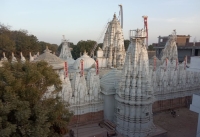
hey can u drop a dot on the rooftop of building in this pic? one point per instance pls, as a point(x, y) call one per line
point(190, 44)
point(176, 35)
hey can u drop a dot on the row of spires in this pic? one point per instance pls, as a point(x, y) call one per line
point(13, 58)
point(31, 58)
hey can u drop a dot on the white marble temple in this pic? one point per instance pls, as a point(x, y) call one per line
point(88, 62)
point(171, 79)
point(113, 46)
point(134, 97)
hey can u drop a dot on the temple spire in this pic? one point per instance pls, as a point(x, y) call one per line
point(135, 101)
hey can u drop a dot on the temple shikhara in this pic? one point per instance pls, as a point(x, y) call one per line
point(121, 89)
point(113, 52)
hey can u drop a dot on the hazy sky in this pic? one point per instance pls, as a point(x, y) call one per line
point(85, 19)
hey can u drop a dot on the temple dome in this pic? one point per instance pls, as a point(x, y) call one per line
point(109, 81)
point(88, 61)
point(53, 60)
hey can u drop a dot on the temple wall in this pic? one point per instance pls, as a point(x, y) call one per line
point(109, 105)
point(161, 105)
point(102, 62)
point(88, 118)
point(172, 82)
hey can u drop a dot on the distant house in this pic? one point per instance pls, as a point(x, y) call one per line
point(184, 46)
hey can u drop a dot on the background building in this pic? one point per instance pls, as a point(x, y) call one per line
point(184, 47)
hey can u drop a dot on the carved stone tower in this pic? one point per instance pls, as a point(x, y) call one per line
point(113, 44)
point(134, 98)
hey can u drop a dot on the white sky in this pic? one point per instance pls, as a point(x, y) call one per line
point(85, 19)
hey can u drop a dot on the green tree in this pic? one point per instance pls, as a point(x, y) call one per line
point(81, 47)
point(6, 44)
point(52, 47)
point(20, 41)
point(24, 112)
point(25, 43)
point(150, 48)
point(126, 44)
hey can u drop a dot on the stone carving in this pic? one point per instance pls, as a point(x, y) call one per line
point(65, 52)
point(113, 46)
point(170, 50)
point(93, 84)
point(171, 77)
point(134, 96)
point(86, 93)
point(66, 92)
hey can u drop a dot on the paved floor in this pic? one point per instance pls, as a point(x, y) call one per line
point(183, 125)
point(89, 131)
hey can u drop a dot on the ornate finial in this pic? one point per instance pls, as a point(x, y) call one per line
point(47, 50)
point(4, 54)
point(114, 16)
point(174, 32)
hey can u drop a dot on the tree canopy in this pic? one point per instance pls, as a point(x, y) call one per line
point(126, 44)
point(24, 111)
point(20, 41)
point(88, 46)
point(151, 48)
point(83, 46)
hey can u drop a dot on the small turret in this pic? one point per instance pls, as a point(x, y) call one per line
point(31, 57)
point(4, 57)
point(14, 60)
point(23, 60)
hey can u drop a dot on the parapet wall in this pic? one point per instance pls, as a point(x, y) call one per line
point(161, 105)
point(88, 118)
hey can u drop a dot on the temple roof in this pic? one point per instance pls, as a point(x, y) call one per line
point(52, 59)
point(109, 81)
point(88, 61)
